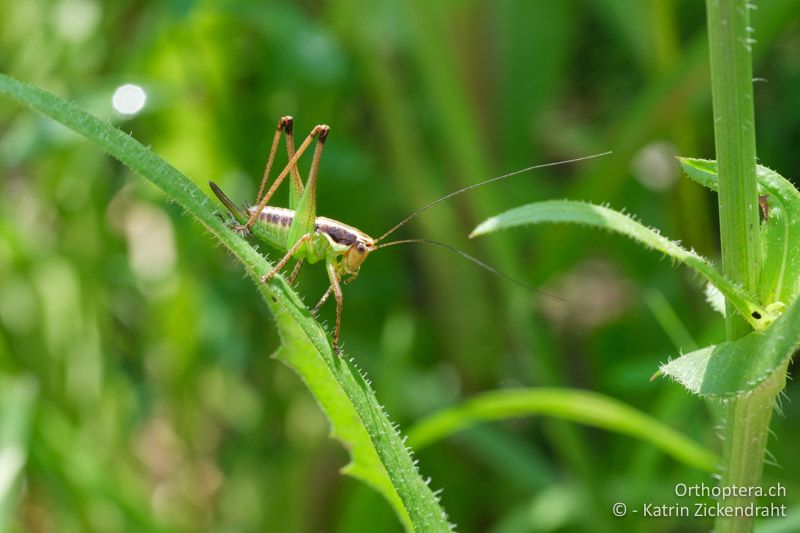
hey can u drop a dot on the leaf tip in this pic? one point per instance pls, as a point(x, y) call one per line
point(487, 226)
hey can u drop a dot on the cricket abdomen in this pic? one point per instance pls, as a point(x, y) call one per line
point(275, 216)
point(272, 225)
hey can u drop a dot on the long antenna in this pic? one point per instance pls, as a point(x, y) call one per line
point(475, 260)
point(482, 183)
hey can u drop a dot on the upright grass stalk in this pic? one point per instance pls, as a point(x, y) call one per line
point(747, 419)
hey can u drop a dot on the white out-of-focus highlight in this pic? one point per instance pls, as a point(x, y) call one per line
point(128, 99)
point(75, 20)
point(655, 166)
point(151, 241)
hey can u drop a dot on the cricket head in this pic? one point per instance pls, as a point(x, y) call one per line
point(357, 253)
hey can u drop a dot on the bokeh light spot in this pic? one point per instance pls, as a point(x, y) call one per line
point(128, 99)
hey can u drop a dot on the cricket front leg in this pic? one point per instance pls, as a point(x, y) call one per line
point(295, 271)
point(337, 293)
point(286, 258)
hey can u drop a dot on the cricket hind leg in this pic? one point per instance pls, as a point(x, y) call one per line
point(284, 124)
point(297, 180)
point(305, 204)
point(319, 132)
point(286, 258)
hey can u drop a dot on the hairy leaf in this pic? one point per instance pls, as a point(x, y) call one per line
point(378, 454)
point(553, 211)
point(735, 368)
point(780, 229)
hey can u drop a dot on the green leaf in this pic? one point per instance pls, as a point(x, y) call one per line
point(378, 454)
point(780, 232)
point(584, 407)
point(553, 211)
point(734, 368)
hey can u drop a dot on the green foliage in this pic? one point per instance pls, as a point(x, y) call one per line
point(728, 370)
point(379, 456)
point(780, 229)
point(736, 368)
point(750, 368)
point(731, 63)
point(159, 408)
point(583, 407)
point(554, 211)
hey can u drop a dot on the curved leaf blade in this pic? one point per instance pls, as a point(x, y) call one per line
point(780, 232)
point(734, 368)
point(569, 211)
point(584, 407)
point(379, 456)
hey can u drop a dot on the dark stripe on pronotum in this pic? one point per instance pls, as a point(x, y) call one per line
point(339, 234)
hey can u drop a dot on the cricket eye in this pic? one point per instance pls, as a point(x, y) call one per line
point(361, 248)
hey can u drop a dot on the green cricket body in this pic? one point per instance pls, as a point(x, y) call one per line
point(331, 239)
point(298, 231)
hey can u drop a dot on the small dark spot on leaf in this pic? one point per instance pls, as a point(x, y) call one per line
point(756, 315)
point(763, 206)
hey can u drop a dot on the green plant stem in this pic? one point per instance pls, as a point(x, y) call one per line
point(734, 130)
point(747, 418)
point(746, 432)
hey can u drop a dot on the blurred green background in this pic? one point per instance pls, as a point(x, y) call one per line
point(136, 388)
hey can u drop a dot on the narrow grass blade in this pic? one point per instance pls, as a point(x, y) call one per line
point(553, 211)
point(379, 456)
point(584, 407)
